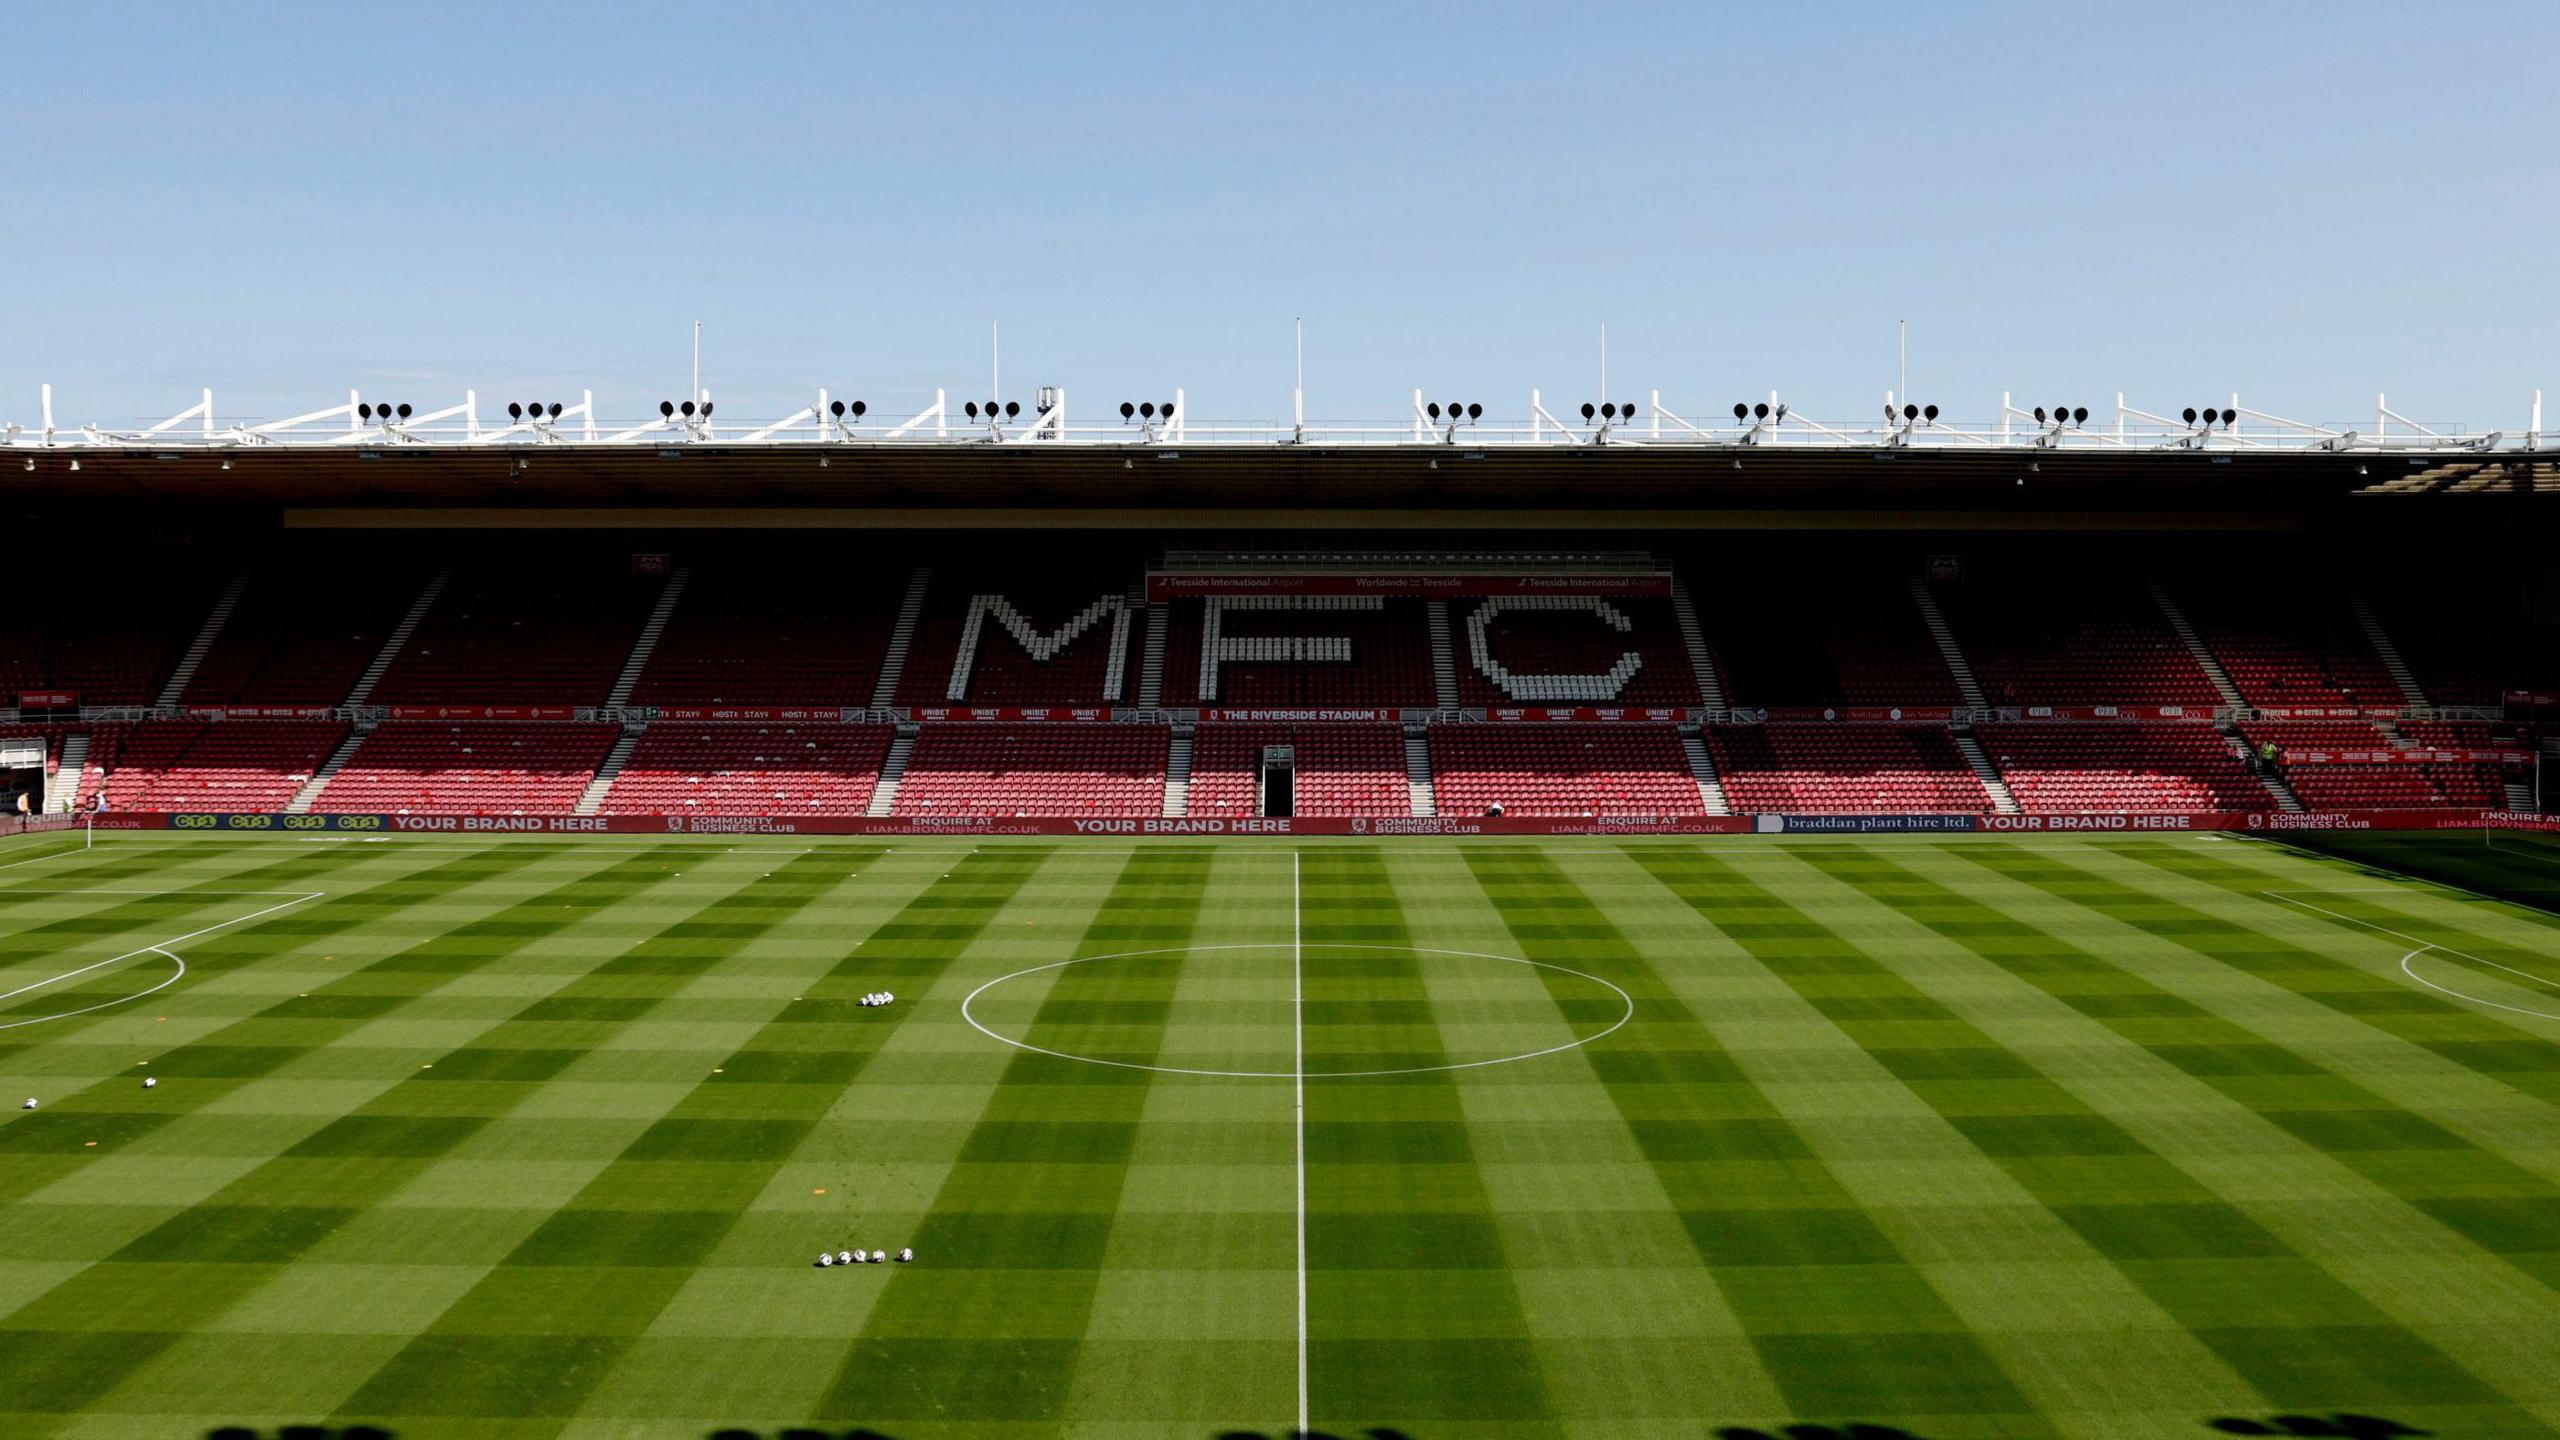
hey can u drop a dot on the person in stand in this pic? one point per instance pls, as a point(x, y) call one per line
point(25, 809)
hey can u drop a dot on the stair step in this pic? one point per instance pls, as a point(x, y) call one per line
point(1444, 657)
point(1177, 775)
point(592, 800)
point(309, 794)
point(2206, 660)
point(1994, 784)
point(2392, 662)
point(1151, 665)
point(1417, 773)
point(1701, 660)
point(63, 786)
point(894, 664)
point(1957, 665)
point(398, 639)
point(884, 795)
point(646, 643)
point(2520, 796)
point(205, 636)
point(1702, 768)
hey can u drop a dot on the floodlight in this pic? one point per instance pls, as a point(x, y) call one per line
point(1741, 411)
point(1589, 409)
point(555, 410)
point(404, 409)
point(1147, 408)
point(364, 412)
point(1474, 411)
point(836, 408)
point(1781, 414)
point(1432, 409)
point(2080, 415)
point(1127, 409)
point(1929, 413)
point(2039, 414)
point(666, 409)
point(1760, 411)
point(2228, 417)
point(515, 411)
point(858, 408)
point(1165, 409)
point(1910, 412)
point(970, 409)
point(706, 409)
point(1012, 408)
point(2188, 414)
point(686, 407)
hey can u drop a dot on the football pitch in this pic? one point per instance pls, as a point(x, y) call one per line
point(1956, 1138)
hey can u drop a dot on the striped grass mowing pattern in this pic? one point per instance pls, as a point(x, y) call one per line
point(1966, 1137)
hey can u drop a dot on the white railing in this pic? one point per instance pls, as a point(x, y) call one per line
point(828, 427)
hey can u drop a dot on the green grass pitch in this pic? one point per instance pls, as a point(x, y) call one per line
point(1961, 1138)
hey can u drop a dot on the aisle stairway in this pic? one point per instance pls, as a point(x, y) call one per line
point(894, 769)
point(2194, 641)
point(212, 630)
point(1993, 783)
point(63, 786)
point(647, 643)
point(1151, 662)
point(894, 663)
point(1710, 686)
point(2401, 674)
point(1444, 657)
point(1702, 768)
point(397, 641)
point(1958, 667)
point(1417, 771)
point(1177, 774)
point(309, 794)
point(592, 801)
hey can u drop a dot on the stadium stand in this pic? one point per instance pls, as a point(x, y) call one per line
point(207, 766)
point(1540, 643)
point(2103, 765)
point(1018, 637)
point(1845, 769)
point(735, 769)
point(1067, 770)
point(2058, 635)
point(485, 768)
point(2467, 646)
point(1544, 770)
point(280, 648)
point(550, 634)
point(103, 644)
point(1854, 639)
point(793, 634)
point(2288, 644)
point(1387, 662)
point(1340, 770)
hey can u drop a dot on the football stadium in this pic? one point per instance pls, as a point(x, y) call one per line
point(1610, 921)
point(1489, 721)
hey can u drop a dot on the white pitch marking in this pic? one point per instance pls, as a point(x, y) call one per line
point(1298, 1018)
point(2406, 969)
point(158, 949)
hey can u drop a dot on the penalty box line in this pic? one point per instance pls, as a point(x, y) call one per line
point(161, 948)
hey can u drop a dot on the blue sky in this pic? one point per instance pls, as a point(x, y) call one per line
point(2306, 203)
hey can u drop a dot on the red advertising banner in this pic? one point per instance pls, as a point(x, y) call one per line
point(482, 712)
point(47, 700)
point(1010, 713)
point(1853, 714)
point(1172, 587)
point(1658, 714)
point(1296, 717)
point(829, 713)
point(259, 712)
point(2406, 757)
point(2267, 822)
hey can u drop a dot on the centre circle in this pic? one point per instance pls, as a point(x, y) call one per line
point(1623, 1004)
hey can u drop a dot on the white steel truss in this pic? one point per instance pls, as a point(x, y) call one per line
point(828, 425)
